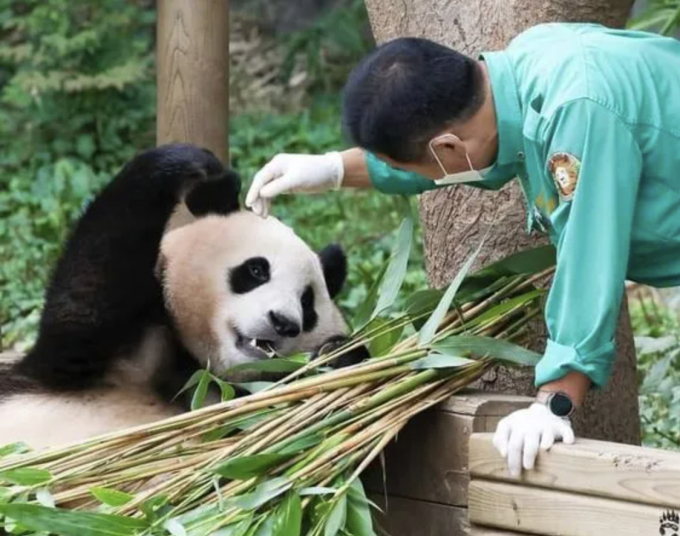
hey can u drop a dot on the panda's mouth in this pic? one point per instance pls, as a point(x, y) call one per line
point(256, 348)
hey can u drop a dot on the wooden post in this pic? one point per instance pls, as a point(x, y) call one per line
point(192, 55)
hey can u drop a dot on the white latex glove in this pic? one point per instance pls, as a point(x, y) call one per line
point(288, 173)
point(519, 436)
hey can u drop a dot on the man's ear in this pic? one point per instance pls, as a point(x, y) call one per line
point(334, 265)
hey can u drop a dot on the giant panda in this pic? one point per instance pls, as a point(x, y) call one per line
point(164, 274)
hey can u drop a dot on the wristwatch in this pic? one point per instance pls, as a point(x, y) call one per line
point(557, 402)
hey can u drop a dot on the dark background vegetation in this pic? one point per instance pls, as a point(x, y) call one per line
point(77, 99)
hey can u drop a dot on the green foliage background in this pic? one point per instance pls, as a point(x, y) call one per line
point(77, 99)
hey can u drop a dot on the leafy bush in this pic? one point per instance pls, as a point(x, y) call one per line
point(657, 340)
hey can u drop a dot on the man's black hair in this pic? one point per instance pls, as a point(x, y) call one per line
point(406, 91)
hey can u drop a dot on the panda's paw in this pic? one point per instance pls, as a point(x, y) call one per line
point(351, 357)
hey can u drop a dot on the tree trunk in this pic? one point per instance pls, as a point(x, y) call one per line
point(454, 220)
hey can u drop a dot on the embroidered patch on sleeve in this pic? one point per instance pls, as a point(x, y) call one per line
point(564, 168)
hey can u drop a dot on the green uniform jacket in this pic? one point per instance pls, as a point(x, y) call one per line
point(589, 122)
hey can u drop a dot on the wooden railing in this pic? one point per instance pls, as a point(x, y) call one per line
point(443, 477)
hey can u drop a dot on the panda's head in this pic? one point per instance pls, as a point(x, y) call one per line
point(239, 287)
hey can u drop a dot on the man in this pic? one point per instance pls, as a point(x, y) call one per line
point(587, 119)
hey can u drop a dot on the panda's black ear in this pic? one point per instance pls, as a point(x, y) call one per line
point(334, 264)
point(216, 195)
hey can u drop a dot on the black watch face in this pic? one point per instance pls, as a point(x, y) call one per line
point(560, 405)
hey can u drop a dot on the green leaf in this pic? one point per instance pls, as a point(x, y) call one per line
point(111, 497)
point(195, 378)
point(174, 527)
point(254, 387)
point(499, 310)
point(263, 493)
point(363, 314)
point(427, 332)
point(486, 346)
point(337, 517)
point(436, 361)
point(422, 302)
point(383, 343)
point(396, 269)
point(26, 476)
point(317, 490)
point(201, 391)
point(265, 528)
point(657, 372)
point(44, 497)
point(288, 521)
point(528, 262)
point(68, 523)
point(13, 448)
point(235, 529)
point(244, 467)
point(270, 365)
point(302, 444)
point(227, 390)
point(359, 520)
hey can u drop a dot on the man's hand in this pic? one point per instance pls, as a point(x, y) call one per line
point(519, 436)
point(288, 173)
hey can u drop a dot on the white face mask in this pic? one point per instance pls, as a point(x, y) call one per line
point(472, 175)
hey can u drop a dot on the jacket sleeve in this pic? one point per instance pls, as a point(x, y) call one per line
point(592, 228)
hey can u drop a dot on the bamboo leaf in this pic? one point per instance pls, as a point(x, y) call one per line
point(301, 444)
point(504, 307)
point(396, 269)
point(174, 527)
point(337, 517)
point(317, 490)
point(288, 521)
point(264, 493)
point(385, 341)
point(359, 521)
point(254, 387)
point(13, 448)
point(270, 365)
point(440, 360)
point(26, 476)
point(226, 389)
point(193, 380)
point(527, 262)
point(427, 332)
point(483, 346)
point(201, 391)
point(363, 314)
point(265, 527)
point(68, 523)
point(45, 498)
point(420, 303)
point(235, 529)
point(244, 467)
point(111, 497)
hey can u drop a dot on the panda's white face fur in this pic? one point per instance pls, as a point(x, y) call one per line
point(239, 286)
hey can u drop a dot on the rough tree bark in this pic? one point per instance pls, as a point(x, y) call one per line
point(454, 220)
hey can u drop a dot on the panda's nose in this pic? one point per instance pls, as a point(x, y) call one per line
point(284, 326)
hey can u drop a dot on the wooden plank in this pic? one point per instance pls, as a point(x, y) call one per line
point(409, 517)
point(605, 469)
point(557, 513)
point(429, 459)
point(192, 56)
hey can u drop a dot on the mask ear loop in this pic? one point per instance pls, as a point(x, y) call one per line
point(434, 154)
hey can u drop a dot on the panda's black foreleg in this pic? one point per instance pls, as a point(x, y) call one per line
point(103, 293)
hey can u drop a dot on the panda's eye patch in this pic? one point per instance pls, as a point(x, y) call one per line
point(309, 316)
point(249, 275)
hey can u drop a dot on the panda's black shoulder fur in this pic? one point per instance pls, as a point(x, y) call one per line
point(103, 292)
